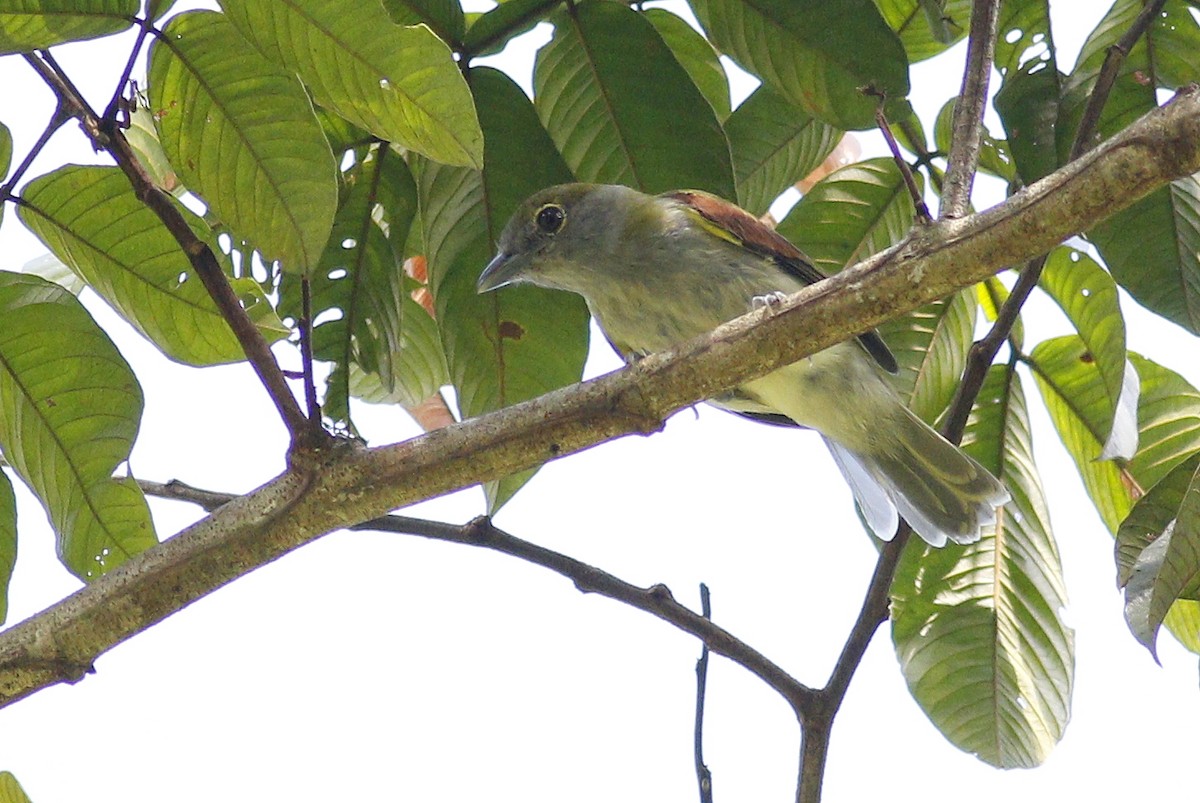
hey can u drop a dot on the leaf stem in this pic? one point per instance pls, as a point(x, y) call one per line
point(703, 774)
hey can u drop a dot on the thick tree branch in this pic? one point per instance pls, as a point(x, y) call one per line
point(342, 484)
point(106, 135)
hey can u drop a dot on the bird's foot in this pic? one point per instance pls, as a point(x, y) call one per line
point(772, 301)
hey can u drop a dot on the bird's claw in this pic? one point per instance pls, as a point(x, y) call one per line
point(772, 301)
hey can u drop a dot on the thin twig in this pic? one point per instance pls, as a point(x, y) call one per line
point(703, 775)
point(204, 262)
point(57, 120)
point(919, 205)
point(305, 325)
point(114, 105)
point(1107, 76)
point(968, 111)
point(480, 532)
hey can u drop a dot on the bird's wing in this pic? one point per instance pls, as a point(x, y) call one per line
point(732, 223)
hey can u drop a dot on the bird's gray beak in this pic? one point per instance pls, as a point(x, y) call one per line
point(502, 270)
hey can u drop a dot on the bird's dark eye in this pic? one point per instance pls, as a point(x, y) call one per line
point(550, 218)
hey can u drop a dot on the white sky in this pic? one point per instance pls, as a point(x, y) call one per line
point(380, 667)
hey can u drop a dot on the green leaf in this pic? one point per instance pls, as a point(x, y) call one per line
point(696, 55)
point(774, 145)
point(444, 17)
point(28, 25)
point(926, 27)
point(155, 9)
point(816, 53)
point(852, 213)
point(1027, 104)
point(10, 790)
point(1088, 295)
point(92, 220)
point(1024, 35)
point(401, 84)
point(1078, 403)
point(6, 147)
point(1158, 551)
point(242, 135)
point(1160, 266)
point(994, 157)
point(520, 342)
point(142, 135)
point(614, 126)
point(8, 544)
point(69, 411)
point(492, 32)
point(977, 628)
point(1183, 620)
point(931, 345)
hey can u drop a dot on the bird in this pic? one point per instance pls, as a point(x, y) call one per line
point(658, 270)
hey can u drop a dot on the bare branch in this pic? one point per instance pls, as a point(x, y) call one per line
point(342, 484)
point(703, 775)
point(968, 110)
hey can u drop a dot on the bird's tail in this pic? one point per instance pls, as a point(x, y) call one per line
point(942, 492)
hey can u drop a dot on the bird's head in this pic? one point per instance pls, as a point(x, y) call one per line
point(554, 236)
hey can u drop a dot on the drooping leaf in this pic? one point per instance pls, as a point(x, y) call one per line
point(519, 342)
point(1158, 551)
point(28, 25)
point(850, 214)
point(931, 345)
point(774, 145)
point(1077, 400)
point(8, 539)
point(1160, 266)
point(242, 134)
point(492, 32)
point(400, 83)
point(696, 55)
point(69, 411)
point(92, 220)
point(926, 27)
point(817, 54)
point(444, 17)
point(977, 628)
point(614, 126)
point(10, 790)
point(1088, 295)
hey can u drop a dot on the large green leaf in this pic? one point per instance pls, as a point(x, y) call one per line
point(1077, 400)
point(401, 84)
point(1028, 105)
point(69, 412)
point(92, 220)
point(1158, 550)
point(1088, 295)
point(241, 133)
point(614, 126)
point(8, 540)
point(775, 144)
point(696, 55)
point(817, 53)
point(519, 342)
point(852, 213)
point(1153, 251)
point(926, 27)
point(977, 628)
point(931, 345)
point(28, 25)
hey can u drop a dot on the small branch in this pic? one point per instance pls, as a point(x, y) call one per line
point(968, 110)
point(57, 120)
point(204, 262)
point(703, 775)
point(114, 105)
point(914, 191)
point(1107, 76)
